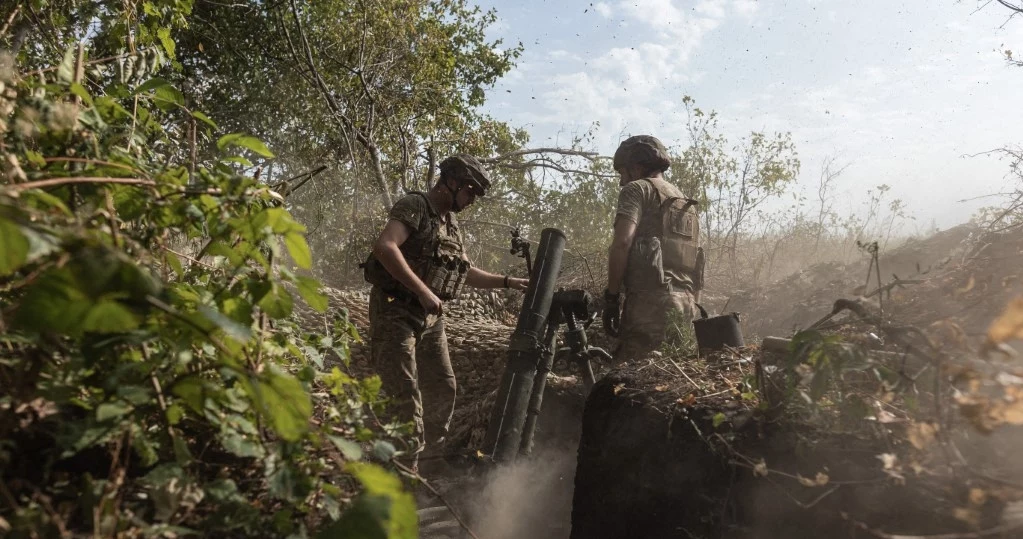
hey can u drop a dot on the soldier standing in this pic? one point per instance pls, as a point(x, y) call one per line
point(654, 255)
point(417, 263)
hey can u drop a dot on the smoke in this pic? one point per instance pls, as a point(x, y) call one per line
point(528, 498)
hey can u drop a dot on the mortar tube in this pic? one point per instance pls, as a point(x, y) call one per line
point(504, 434)
point(539, 385)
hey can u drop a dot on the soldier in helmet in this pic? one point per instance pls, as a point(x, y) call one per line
point(418, 263)
point(654, 259)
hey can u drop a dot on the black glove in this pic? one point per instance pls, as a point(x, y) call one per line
point(612, 316)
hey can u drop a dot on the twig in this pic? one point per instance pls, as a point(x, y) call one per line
point(997, 530)
point(414, 474)
point(679, 367)
point(714, 394)
point(90, 162)
point(92, 62)
point(186, 257)
point(10, 19)
point(74, 180)
point(53, 182)
point(526, 151)
point(115, 227)
point(55, 517)
point(893, 284)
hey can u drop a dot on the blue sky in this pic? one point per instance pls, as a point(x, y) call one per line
point(901, 91)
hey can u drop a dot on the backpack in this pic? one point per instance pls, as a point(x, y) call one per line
point(680, 234)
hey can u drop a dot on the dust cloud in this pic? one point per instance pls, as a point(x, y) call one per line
point(531, 497)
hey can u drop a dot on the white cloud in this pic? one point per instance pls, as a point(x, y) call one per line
point(746, 8)
point(563, 55)
point(603, 9)
point(712, 8)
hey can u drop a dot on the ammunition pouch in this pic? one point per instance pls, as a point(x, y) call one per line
point(701, 265)
point(446, 275)
point(644, 269)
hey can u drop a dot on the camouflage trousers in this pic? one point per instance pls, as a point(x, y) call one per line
point(410, 353)
point(645, 321)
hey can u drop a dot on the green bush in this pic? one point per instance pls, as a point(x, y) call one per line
point(152, 379)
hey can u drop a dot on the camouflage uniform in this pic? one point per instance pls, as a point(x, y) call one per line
point(409, 347)
point(649, 297)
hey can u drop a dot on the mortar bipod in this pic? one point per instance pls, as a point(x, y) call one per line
point(577, 306)
point(568, 307)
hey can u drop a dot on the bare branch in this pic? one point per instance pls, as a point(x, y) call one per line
point(344, 121)
point(10, 19)
point(1013, 7)
point(592, 156)
point(285, 188)
point(551, 165)
point(54, 182)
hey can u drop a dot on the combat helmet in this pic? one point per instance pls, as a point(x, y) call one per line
point(645, 150)
point(467, 168)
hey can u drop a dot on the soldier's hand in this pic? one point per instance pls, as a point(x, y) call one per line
point(612, 316)
point(431, 303)
point(518, 283)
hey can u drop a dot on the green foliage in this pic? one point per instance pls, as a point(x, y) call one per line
point(828, 374)
point(731, 180)
point(152, 379)
point(680, 335)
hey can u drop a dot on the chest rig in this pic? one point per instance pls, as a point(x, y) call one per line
point(435, 256)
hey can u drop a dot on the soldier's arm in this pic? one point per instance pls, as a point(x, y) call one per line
point(385, 249)
point(618, 253)
point(484, 279)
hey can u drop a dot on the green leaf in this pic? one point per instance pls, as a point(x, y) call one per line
point(244, 141)
point(44, 200)
point(299, 250)
point(205, 119)
point(165, 39)
point(231, 328)
point(283, 400)
point(36, 159)
point(181, 453)
point(277, 303)
point(66, 69)
point(164, 92)
point(279, 220)
point(384, 450)
point(13, 247)
point(238, 159)
point(145, 448)
point(112, 410)
point(193, 391)
point(175, 263)
point(80, 91)
point(175, 414)
point(719, 418)
point(55, 303)
point(382, 511)
point(241, 444)
point(109, 316)
point(349, 450)
point(137, 395)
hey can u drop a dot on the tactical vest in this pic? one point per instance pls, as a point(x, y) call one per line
point(674, 251)
point(437, 261)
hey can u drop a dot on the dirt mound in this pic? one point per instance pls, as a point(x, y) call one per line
point(659, 458)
